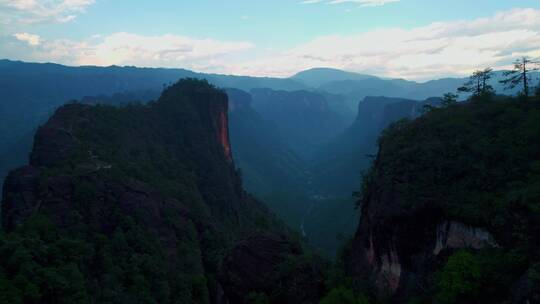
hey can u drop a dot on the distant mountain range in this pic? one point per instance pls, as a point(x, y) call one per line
point(354, 87)
point(316, 77)
point(303, 133)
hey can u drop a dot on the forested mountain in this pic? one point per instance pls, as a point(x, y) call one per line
point(269, 152)
point(449, 211)
point(136, 192)
point(357, 88)
point(142, 203)
point(296, 140)
point(30, 92)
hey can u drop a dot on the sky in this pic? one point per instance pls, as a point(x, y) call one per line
point(412, 39)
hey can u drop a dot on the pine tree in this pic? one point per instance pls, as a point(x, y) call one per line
point(478, 83)
point(449, 99)
point(521, 75)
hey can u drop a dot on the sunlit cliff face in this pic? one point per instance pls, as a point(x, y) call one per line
point(223, 135)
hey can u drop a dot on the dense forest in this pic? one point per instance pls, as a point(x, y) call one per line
point(270, 152)
point(450, 207)
point(31, 92)
point(208, 195)
point(138, 203)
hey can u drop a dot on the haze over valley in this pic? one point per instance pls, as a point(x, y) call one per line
point(242, 152)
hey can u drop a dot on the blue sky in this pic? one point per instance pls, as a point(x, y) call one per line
point(274, 38)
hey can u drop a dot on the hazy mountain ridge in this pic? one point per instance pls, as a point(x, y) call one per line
point(30, 92)
point(141, 202)
point(318, 76)
point(290, 124)
point(271, 170)
point(304, 119)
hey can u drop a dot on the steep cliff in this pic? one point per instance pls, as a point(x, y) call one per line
point(128, 204)
point(449, 211)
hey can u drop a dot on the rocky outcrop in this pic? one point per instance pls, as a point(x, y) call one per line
point(446, 214)
point(55, 141)
point(455, 235)
point(398, 246)
point(224, 135)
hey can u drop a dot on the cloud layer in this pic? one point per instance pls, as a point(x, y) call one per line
point(431, 51)
point(435, 50)
point(28, 38)
point(131, 49)
point(34, 11)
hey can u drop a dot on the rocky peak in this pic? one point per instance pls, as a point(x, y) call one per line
point(155, 180)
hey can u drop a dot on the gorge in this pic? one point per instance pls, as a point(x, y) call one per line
point(189, 192)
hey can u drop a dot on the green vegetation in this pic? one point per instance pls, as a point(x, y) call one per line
point(477, 163)
point(449, 99)
point(151, 204)
point(478, 83)
point(342, 295)
point(43, 264)
point(521, 75)
point(472, 276)
point(460, 278)
point(339, 284)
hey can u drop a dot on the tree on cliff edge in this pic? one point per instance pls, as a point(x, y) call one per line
point(521, 75)
point(478, 83)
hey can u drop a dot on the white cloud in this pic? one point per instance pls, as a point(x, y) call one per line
point(28, 38)
point(34, 11)
point(435, 50)
point(132, 49)
point(438, 49)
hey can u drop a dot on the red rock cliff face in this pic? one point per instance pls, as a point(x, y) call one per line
point(218, 116)
point(223, 134)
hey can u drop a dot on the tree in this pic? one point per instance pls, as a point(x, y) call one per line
point(478, 83)
point(342, 295)
point(521, 75)
point(449, 99)
point(460, 279)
